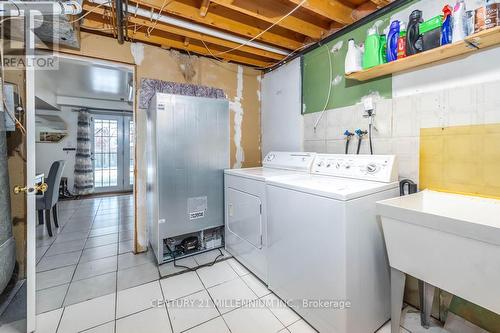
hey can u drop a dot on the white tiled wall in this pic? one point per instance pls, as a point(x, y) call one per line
point(398, 122)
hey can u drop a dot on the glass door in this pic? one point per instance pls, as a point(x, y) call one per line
point(112, 152)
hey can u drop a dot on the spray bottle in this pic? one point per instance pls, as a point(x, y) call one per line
point(459, 22)
point(446, 35)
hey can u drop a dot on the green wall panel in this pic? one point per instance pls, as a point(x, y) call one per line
point(316, 77)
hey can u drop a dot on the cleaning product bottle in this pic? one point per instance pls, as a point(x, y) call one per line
point(383, 49)
point(392, 41)
point(446, 35)
point(413, 38)
point(459, 22)
point(354, 58)
point(402, 41)
point(371, 57)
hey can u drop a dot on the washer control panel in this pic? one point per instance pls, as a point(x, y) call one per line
point(381, 168)
point(289, 161)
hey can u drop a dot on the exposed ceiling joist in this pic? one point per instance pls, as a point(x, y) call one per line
point(140, 21)
point(204, 7)
point(381, 3)
point(332, 9)
point(254, 32)
point(94, 24)
point(272, 12)
point(187, 9)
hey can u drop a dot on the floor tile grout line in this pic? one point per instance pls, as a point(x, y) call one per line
point(60, 319)
point(116, 289)
point(78, 262)
point(211, 298)
point(165, 304)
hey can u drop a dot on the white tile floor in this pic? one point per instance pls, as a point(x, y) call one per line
point(88, 280)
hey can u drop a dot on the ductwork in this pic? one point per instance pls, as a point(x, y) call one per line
point(19, 8)
point(7, 243)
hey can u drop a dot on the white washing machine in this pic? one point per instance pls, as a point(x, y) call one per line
point(326, 251)
point(246, 206)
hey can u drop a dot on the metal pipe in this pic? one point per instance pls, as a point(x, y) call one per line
point(119, 21)
point(19, 8)
point(197, 27)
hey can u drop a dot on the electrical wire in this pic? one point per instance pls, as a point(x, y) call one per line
point(150, 29)
point(265, 30)
point(17, 7)
point(330, 83)
point(192, 269)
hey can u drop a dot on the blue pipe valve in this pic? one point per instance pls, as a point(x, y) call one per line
point(348, 134)
point(360, 133)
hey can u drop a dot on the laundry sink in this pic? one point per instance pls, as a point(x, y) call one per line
point(450, 241)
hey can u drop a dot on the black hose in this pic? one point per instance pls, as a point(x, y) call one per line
point(370, 138)
point(348, 139)
point(360, 138)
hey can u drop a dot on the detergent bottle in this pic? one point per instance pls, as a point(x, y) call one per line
point(354, 58)
point(371, 57)
point(413, 38)
point(392, 41)
point(383, 49)
point(459, 31)
point(402, 41)
point(446, 35)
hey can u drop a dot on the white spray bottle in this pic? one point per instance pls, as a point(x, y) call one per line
point(459, 22)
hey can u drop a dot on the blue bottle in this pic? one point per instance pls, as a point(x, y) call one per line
point(446, 35)
point(392, 41)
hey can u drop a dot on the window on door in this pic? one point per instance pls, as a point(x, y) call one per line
point(113, 152)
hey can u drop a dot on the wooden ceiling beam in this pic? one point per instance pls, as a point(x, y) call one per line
point(381, 3)
point(204, 7)
point(93, 23)
point(186, 33)
point(271, 12)
point(364, 10)
point(332, 9)
point(185, 10)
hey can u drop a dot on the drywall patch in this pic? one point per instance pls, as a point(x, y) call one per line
point(235, 106)
point(137, 50)
point(259, 80)
point(337, 47)
point(337, 80)
point(375, 95)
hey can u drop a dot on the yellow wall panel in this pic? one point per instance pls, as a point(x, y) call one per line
point(461, 159)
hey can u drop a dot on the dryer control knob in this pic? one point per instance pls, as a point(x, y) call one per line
point(371, 168)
